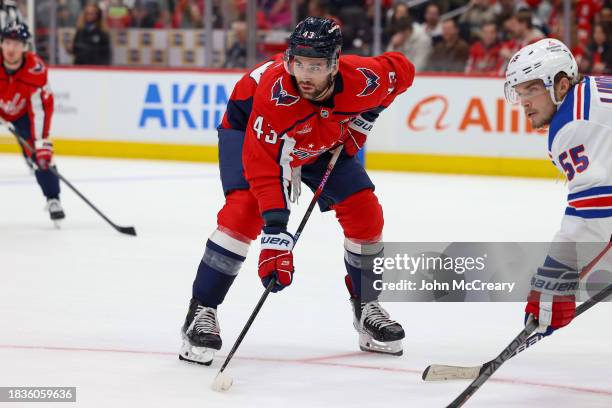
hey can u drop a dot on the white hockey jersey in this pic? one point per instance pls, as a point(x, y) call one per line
point(580, 145)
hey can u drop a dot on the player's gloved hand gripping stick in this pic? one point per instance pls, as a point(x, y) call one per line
point(482, 373)
point(30, 151)
point(222, 381)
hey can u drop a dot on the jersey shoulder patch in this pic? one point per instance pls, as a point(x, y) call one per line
point(280, 96)
point(371, 81)
point(277, 99)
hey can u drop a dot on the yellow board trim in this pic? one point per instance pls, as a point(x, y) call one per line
point(430, 163)
point(491, 166)
point(124, 150)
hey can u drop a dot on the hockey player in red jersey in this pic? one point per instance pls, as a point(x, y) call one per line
point(27, 102)
point(282, 120)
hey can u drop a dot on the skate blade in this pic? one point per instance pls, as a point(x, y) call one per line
point(57, 224)
point(367, 343)
point(197, 355)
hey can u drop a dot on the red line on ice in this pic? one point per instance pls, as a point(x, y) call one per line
point(314, 361)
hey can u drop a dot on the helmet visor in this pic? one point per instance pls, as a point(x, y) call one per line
point(524, 92)
point(308, 66)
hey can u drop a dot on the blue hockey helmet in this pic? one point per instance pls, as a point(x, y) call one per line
point(16, 31)
point(315, 37)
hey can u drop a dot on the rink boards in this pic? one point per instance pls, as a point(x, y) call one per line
point(448, 124)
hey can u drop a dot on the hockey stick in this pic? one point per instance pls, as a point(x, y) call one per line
point(222, 381)
point(489, 368)
point(439, 372)
point(512, 349)
point(27, 148)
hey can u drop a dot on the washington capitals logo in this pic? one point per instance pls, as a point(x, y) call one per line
point(281, 96)
point(371, 81)
point(38, 68)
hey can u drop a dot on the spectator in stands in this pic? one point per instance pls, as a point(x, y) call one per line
point(484, 54)
point(432, 25)
point(450, 54)
point(236, 55)
point(277, 13)
point(118, 15)
point(320, 8)
point(358, 33)
point(416, 45)
point(599, 52)
point(190, 14)
point(505, 8)
point(522, 32)
point(65, 15)
point(91, 45)
point(148, 14)
point(399, 11)
point(541, 12)
point(479, 12)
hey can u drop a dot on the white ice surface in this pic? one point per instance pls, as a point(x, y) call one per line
point(85, 306)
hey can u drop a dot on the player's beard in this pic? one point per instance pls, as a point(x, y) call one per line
point(317, 92)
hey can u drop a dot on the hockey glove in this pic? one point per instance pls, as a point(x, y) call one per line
point(44, 153)
point(276, 258)
point(552, 300)
point(357, 133)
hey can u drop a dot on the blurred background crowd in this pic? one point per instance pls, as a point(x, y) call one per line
point(476, 36)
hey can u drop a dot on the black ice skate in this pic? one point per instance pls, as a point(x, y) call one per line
point(56, 212)
point(200, 334)
point(377, 331)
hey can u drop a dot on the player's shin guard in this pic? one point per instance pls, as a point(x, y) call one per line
point(49, 183)
point(377, 331)
point(218, 268)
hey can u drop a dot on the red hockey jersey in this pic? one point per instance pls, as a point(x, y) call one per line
point(26, 93)
point(240, 103)
point(286, 130)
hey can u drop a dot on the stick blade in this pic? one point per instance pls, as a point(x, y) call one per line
point(438, 372)
point(127, 230)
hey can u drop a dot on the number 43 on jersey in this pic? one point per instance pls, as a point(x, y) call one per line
point(270, 135)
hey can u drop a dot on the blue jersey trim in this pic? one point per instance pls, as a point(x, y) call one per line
point(587, 97)
point(590, 192)
point(564, 115)
point(588, 213)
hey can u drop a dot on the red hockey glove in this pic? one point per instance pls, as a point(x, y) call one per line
point(44, 153)
point(552, 300)
point(276, 258)
point(357, 133)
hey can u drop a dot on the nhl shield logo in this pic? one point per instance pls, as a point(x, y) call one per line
point(371, 81)
point(281, 96)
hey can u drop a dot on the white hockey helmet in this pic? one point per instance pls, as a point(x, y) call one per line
point(541, 60)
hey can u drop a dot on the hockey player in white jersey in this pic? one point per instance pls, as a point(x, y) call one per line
point(543, 78)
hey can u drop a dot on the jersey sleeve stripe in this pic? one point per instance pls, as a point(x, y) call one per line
point(591, 192)
point(38, 111)
point(594, 202)
point(600, 213)
point(284, 159)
